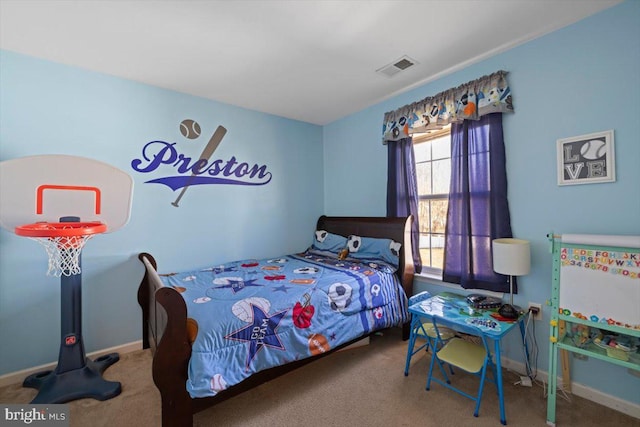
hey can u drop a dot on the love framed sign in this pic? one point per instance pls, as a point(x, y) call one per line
point(586, 159)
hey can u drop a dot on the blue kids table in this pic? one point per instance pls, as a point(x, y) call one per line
point(454, 308)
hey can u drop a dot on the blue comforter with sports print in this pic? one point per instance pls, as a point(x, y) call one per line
point(251, 315)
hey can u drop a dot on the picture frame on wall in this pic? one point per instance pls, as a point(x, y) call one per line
point(586, 159)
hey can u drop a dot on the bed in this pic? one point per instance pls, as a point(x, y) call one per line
point(188, 361)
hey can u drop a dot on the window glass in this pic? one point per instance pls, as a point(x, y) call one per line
point(433, 173)
point(423, 176)
point(422, 152)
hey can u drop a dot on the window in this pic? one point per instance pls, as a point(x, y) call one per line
point(433, 174)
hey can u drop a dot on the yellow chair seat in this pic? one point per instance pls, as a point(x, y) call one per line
point(445, 333)
point(426, 330)
point(463, 354)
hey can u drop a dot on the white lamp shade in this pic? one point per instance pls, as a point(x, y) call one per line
point(511, 256)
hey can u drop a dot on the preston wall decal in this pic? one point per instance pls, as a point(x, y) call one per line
point(159, 156)
point(586, 159)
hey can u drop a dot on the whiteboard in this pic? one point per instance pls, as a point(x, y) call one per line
point(600, 278)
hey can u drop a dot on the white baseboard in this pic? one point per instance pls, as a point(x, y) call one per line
point(577, 389)
point(19, 376)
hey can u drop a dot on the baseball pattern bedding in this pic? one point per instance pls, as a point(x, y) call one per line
point(251, 315)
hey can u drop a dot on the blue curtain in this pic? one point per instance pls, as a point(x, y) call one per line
point(478, 208)
point(402, 190)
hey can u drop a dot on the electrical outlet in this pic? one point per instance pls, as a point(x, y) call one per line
point(536, 309)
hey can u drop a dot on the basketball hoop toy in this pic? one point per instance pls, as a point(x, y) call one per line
point(63, 242)
point(76, 185)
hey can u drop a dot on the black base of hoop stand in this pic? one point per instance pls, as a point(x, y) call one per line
point(75, 376)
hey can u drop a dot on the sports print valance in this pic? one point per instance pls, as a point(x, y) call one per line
point(472, 100)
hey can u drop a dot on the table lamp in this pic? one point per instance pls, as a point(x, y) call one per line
point(511, 257)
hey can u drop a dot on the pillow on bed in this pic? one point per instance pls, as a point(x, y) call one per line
point(328, 242)
point(371, 249)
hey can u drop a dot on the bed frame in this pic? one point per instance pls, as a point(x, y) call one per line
point(164, 322)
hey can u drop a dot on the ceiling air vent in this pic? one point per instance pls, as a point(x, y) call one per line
point(398, 65)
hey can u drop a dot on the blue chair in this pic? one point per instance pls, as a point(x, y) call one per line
point(465, 355)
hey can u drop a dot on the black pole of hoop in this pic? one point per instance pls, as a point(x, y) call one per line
point(75, 376)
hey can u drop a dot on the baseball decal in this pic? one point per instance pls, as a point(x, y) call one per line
point(218, 383)
point(593, 149)
point(190, 129)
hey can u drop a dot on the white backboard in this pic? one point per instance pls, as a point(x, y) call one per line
point(48, 187)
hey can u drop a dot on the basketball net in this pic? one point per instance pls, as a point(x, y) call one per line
point(63, 242)
point(64, 253)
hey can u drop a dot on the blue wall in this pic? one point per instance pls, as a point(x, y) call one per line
point(581, 79)
point(48, 108)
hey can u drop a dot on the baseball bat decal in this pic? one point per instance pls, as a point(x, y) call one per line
point(212, 145)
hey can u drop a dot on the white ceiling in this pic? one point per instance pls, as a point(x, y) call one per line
point(313, 61)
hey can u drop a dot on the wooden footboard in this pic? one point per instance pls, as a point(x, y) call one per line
point(164, 325)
